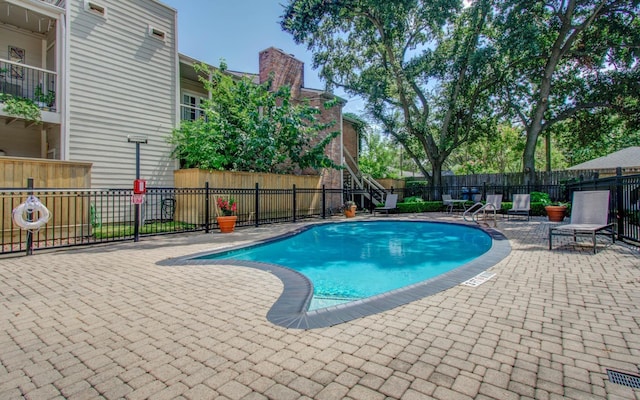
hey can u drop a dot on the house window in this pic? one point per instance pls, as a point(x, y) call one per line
point(156, 33)
point(95, 8)
point(191, 107)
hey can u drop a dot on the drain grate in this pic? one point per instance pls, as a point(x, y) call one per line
point(623, 378)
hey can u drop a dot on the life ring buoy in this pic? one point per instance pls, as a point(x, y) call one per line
point(31, 205)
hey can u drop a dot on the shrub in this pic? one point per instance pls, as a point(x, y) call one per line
point(540, 197)
point(413, 199)
point(418, 207)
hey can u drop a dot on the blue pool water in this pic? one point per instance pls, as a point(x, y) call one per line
point(350, 261)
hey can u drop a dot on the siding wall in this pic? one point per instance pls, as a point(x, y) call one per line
point(122, 82)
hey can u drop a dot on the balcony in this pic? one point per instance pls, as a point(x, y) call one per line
point(57, 3)
point(191, 113)
point(24, 81)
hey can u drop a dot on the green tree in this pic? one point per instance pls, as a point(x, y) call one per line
point(426, 69)
point(588, 136)
point(378, 156)
point(569, 58)
point(249, 128)
point(498, 153)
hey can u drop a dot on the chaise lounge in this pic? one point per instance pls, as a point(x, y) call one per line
point(521, 206)
point(589, 216)
point(389, 204)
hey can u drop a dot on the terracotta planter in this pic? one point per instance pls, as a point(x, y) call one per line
point(556, 213)
point(227, 224)
point(350, 212)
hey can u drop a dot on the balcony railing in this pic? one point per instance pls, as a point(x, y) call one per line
point(36, 84)
point(57, 3)
point(191, 113)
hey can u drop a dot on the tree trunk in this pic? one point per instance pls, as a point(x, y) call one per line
point(436, 174)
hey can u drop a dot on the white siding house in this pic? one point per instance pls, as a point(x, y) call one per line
point(123, 80)
point(112, 67)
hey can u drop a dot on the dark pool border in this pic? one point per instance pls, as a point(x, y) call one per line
point(289, 310)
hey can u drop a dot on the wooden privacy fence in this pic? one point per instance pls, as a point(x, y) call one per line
point(15, 171)
point(196, 178)
point(269, 194)
point(515, 179)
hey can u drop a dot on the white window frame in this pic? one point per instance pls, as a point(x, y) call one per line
point(196, 110)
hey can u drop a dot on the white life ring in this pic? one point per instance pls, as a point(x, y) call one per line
point(32, 205)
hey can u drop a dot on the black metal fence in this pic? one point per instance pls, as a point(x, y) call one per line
point(83, 217)
point(624, 208)
point(434, 193)
point(624, 202)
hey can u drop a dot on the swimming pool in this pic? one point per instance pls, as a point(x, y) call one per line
point(291, 309)
point(352, 261)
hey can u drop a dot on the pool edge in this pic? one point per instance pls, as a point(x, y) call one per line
point(288, 310)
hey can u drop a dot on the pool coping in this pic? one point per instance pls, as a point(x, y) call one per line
point(290, 309)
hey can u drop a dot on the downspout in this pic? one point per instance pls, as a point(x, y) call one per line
point(342, 159)
point(178, 95)
point(63, 86)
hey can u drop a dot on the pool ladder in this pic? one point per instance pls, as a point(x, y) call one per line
point(472, 212)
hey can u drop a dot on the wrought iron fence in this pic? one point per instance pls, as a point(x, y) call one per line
point(83, 217)
point(624, 202)
point(624, 189)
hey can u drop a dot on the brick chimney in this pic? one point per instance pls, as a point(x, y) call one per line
point(286, 69)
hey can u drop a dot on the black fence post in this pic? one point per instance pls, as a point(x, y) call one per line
point(294, 203)
point(257, 205)
point(324, 203)
point(206, 207)
point(29, 218)
point(619, 202)
point(371, 203)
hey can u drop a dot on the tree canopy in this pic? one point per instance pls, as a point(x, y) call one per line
point(247, 127)
point(571, 60)
point(426, 68)
point(439, 74)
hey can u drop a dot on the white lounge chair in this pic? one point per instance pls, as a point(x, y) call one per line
point(493, 204)
point(521, 206)
point(389, 204)
point(589, 216)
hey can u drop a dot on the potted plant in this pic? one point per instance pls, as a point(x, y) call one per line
point(556, 211)
point(350, 209)
point(227, 221)
point(44, 100)
point(20, 107)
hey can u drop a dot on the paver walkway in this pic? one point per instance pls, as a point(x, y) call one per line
point(107, 322)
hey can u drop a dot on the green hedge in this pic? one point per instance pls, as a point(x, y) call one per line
point(424, 206)
point(537, 208)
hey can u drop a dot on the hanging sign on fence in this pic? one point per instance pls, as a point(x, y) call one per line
point(137, 198)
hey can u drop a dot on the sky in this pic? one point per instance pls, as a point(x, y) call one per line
point(237, 31)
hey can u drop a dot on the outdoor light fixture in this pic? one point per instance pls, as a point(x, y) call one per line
point(137, 139)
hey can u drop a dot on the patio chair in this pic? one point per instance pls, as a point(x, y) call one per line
point(389, 204)
point(451, 203)
point(493, 204)
point(589, 216)
point(448, 202)
point(521, 206)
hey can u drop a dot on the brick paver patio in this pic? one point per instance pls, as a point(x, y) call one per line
point(108, 322)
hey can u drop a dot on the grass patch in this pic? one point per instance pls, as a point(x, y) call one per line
point(110, 231)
